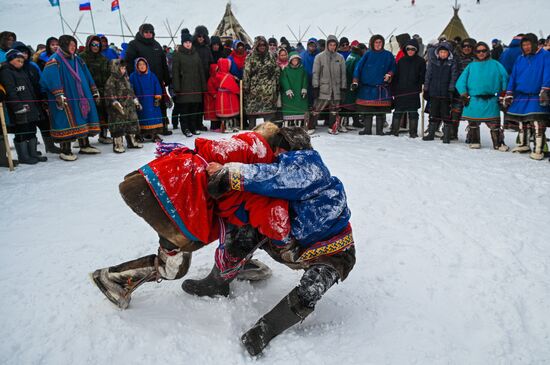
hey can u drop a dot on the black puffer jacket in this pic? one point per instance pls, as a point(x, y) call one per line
point(441, 75)
point(19, 92)
point(152, 51)
point(408, 79)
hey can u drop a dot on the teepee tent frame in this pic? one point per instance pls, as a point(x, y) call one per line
point(455, 28)
point(230, 28)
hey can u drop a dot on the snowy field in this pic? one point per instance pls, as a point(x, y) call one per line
point(453, 265)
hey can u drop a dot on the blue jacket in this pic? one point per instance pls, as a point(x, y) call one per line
point(146, 86)
point(511, 54)
point(318, 204)
point(531, 74)
point(370, 72)
point(308, 59)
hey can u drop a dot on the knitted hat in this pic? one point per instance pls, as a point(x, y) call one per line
point(294, 55)
point(186, 36)
point(13, 54)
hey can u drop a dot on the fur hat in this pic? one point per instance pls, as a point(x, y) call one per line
point(147, 28)
point(272, 40)
point(202, 31)
point(293, 139)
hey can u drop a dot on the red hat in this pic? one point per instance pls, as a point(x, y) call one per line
point(355, 43)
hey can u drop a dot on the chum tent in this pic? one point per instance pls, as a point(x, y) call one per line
point(229, 27)
point(455, 28)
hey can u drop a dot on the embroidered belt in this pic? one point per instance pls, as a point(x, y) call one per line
point(332, 246)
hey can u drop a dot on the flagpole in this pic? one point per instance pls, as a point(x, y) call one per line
point(61, 16)
point(121, 27)
point(92, 16)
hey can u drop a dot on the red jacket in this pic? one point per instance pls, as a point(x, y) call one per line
point(227, 100)
point(210, 95)
point(179, 182)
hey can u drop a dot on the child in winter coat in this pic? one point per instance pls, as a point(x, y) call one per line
point(294, 91)
point(210, 99)
point(439, 87)
point(227, 99)
point(122, 106)
point(147, 88)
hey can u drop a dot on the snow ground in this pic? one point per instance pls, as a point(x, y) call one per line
point(35, 20)
point(453, 265)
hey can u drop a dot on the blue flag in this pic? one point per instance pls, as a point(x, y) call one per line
point(54, 2)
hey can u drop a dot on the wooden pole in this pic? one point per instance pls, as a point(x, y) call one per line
point(422, 115)
point(5, 134)
point(241, 102)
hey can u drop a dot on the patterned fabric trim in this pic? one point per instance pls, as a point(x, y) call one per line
point(373, 102)
point(329, 247)
point(236, 180)
point(164, 201)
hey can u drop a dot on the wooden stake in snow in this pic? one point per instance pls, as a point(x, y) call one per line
point(241, 102)
point(5, 134)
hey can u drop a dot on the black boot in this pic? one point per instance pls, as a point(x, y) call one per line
point(212, 285)
point(104, 136)
point(380, 120)
point(22, 149)
point(367, 121)
point(395, 124)
point(431, 132)
point(475, 138)
point(48, 143)
point(32, 150)
point(413, 127)
point(286, 314)
point(454, 130)
point(447, 133)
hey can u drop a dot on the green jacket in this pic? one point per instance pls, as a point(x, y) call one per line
point(294, 79)
point(188, 76)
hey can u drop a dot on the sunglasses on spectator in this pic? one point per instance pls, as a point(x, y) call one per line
point(345, 44)
point(481, 50)
point(148, 31)
point(94, 44)
point(410, 49)
point(466, 46)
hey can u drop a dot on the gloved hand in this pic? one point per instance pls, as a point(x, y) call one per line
point(97, 99)
point(137, 104)
point(289, 93)
point(544, 97)
point(118, 107)
point(218, 183)
point(316, 92)
point(465, 99)
point(507, 100)
point(156, 103)
point(25, 108)
point(387, 78)
point(354, 86)
point(304, 93)
point(60, 101)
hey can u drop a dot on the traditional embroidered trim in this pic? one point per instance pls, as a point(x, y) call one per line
point(373, 102)
point(236, 180)
point(330, 247)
